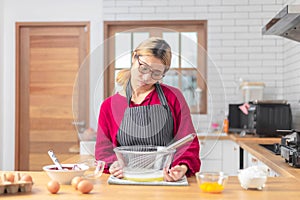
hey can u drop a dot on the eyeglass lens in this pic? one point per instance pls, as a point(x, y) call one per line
point(144, 69)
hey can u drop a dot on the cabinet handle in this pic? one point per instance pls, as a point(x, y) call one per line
point(80, 123)
point(253, 159)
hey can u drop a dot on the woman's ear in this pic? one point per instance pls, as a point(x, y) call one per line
point(134, 56)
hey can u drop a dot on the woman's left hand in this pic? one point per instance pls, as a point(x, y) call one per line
point(175, 173)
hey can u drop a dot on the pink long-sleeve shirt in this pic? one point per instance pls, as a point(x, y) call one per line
point(111, 115)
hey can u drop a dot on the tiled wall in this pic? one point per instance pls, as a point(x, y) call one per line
point(236, 47)
point(291, 75)
point(1, 81)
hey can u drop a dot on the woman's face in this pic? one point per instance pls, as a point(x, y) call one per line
point(146, 71)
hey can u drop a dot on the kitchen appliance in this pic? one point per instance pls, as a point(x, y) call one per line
point(290, 148)
point(275, 148)
point(285, 24)
point(263, 118)
point(238, 121)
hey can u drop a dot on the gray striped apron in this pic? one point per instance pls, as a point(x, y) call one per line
point(146, 125)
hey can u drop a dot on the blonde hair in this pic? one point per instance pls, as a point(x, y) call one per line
point(153, 46)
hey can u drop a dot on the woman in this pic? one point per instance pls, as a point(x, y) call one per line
point(143, 98)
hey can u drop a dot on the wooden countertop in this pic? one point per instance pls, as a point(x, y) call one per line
point(251, 143)
point(276, 188)
point(284, 187)
point(275, 162)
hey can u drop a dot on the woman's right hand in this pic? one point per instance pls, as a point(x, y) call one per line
point(116, 170)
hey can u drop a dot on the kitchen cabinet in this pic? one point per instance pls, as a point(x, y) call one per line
point(249, 160)
point(87, 147)
point(219, 155)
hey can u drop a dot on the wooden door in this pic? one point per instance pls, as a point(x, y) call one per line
point(49, 56)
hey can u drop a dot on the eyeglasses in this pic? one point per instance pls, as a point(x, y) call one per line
point(144, 68)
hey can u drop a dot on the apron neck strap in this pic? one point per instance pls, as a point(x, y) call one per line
point(128, 92)
point(161, 94)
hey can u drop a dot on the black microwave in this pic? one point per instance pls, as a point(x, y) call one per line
point(263, 118)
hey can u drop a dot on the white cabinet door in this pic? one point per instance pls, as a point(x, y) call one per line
point(250, 160)
point(211, 165)
point(210, 155)
point(219, 155)
point(87, 148)
point(231, 157)
point(211, 149)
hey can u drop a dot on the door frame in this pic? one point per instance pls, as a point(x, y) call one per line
point(22, 148)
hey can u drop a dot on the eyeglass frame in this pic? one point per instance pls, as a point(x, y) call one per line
point(148, 68)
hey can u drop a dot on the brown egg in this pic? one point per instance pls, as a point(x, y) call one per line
point(26, 178)
point(75, 181)
point(53, 186)
point(85, 186)
point(10, 177)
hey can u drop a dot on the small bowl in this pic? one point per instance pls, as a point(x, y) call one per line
point(211, 182)
point(253, 177)
point(66, 175)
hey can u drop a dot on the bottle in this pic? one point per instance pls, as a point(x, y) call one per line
point(226, 125)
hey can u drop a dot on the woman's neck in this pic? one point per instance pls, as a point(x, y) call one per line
point(139, 94)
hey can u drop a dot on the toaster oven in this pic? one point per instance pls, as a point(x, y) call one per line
point(263, 118)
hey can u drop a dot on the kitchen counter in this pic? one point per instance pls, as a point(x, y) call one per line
point(276, 188)
point(275, 162)
point(286, 186)
point(251, 143)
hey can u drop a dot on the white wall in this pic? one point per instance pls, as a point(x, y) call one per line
point(291, 79)
point(292, 74)
point(1, 80)
point(236, 47)
point(34, 10)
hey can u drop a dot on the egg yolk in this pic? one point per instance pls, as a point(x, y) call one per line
point(212, 187)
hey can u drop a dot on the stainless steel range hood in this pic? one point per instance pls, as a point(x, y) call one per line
point(286, 23)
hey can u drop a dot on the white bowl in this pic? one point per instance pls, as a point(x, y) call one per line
point(253, 183)
point(253, 177)
point(66, 175)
